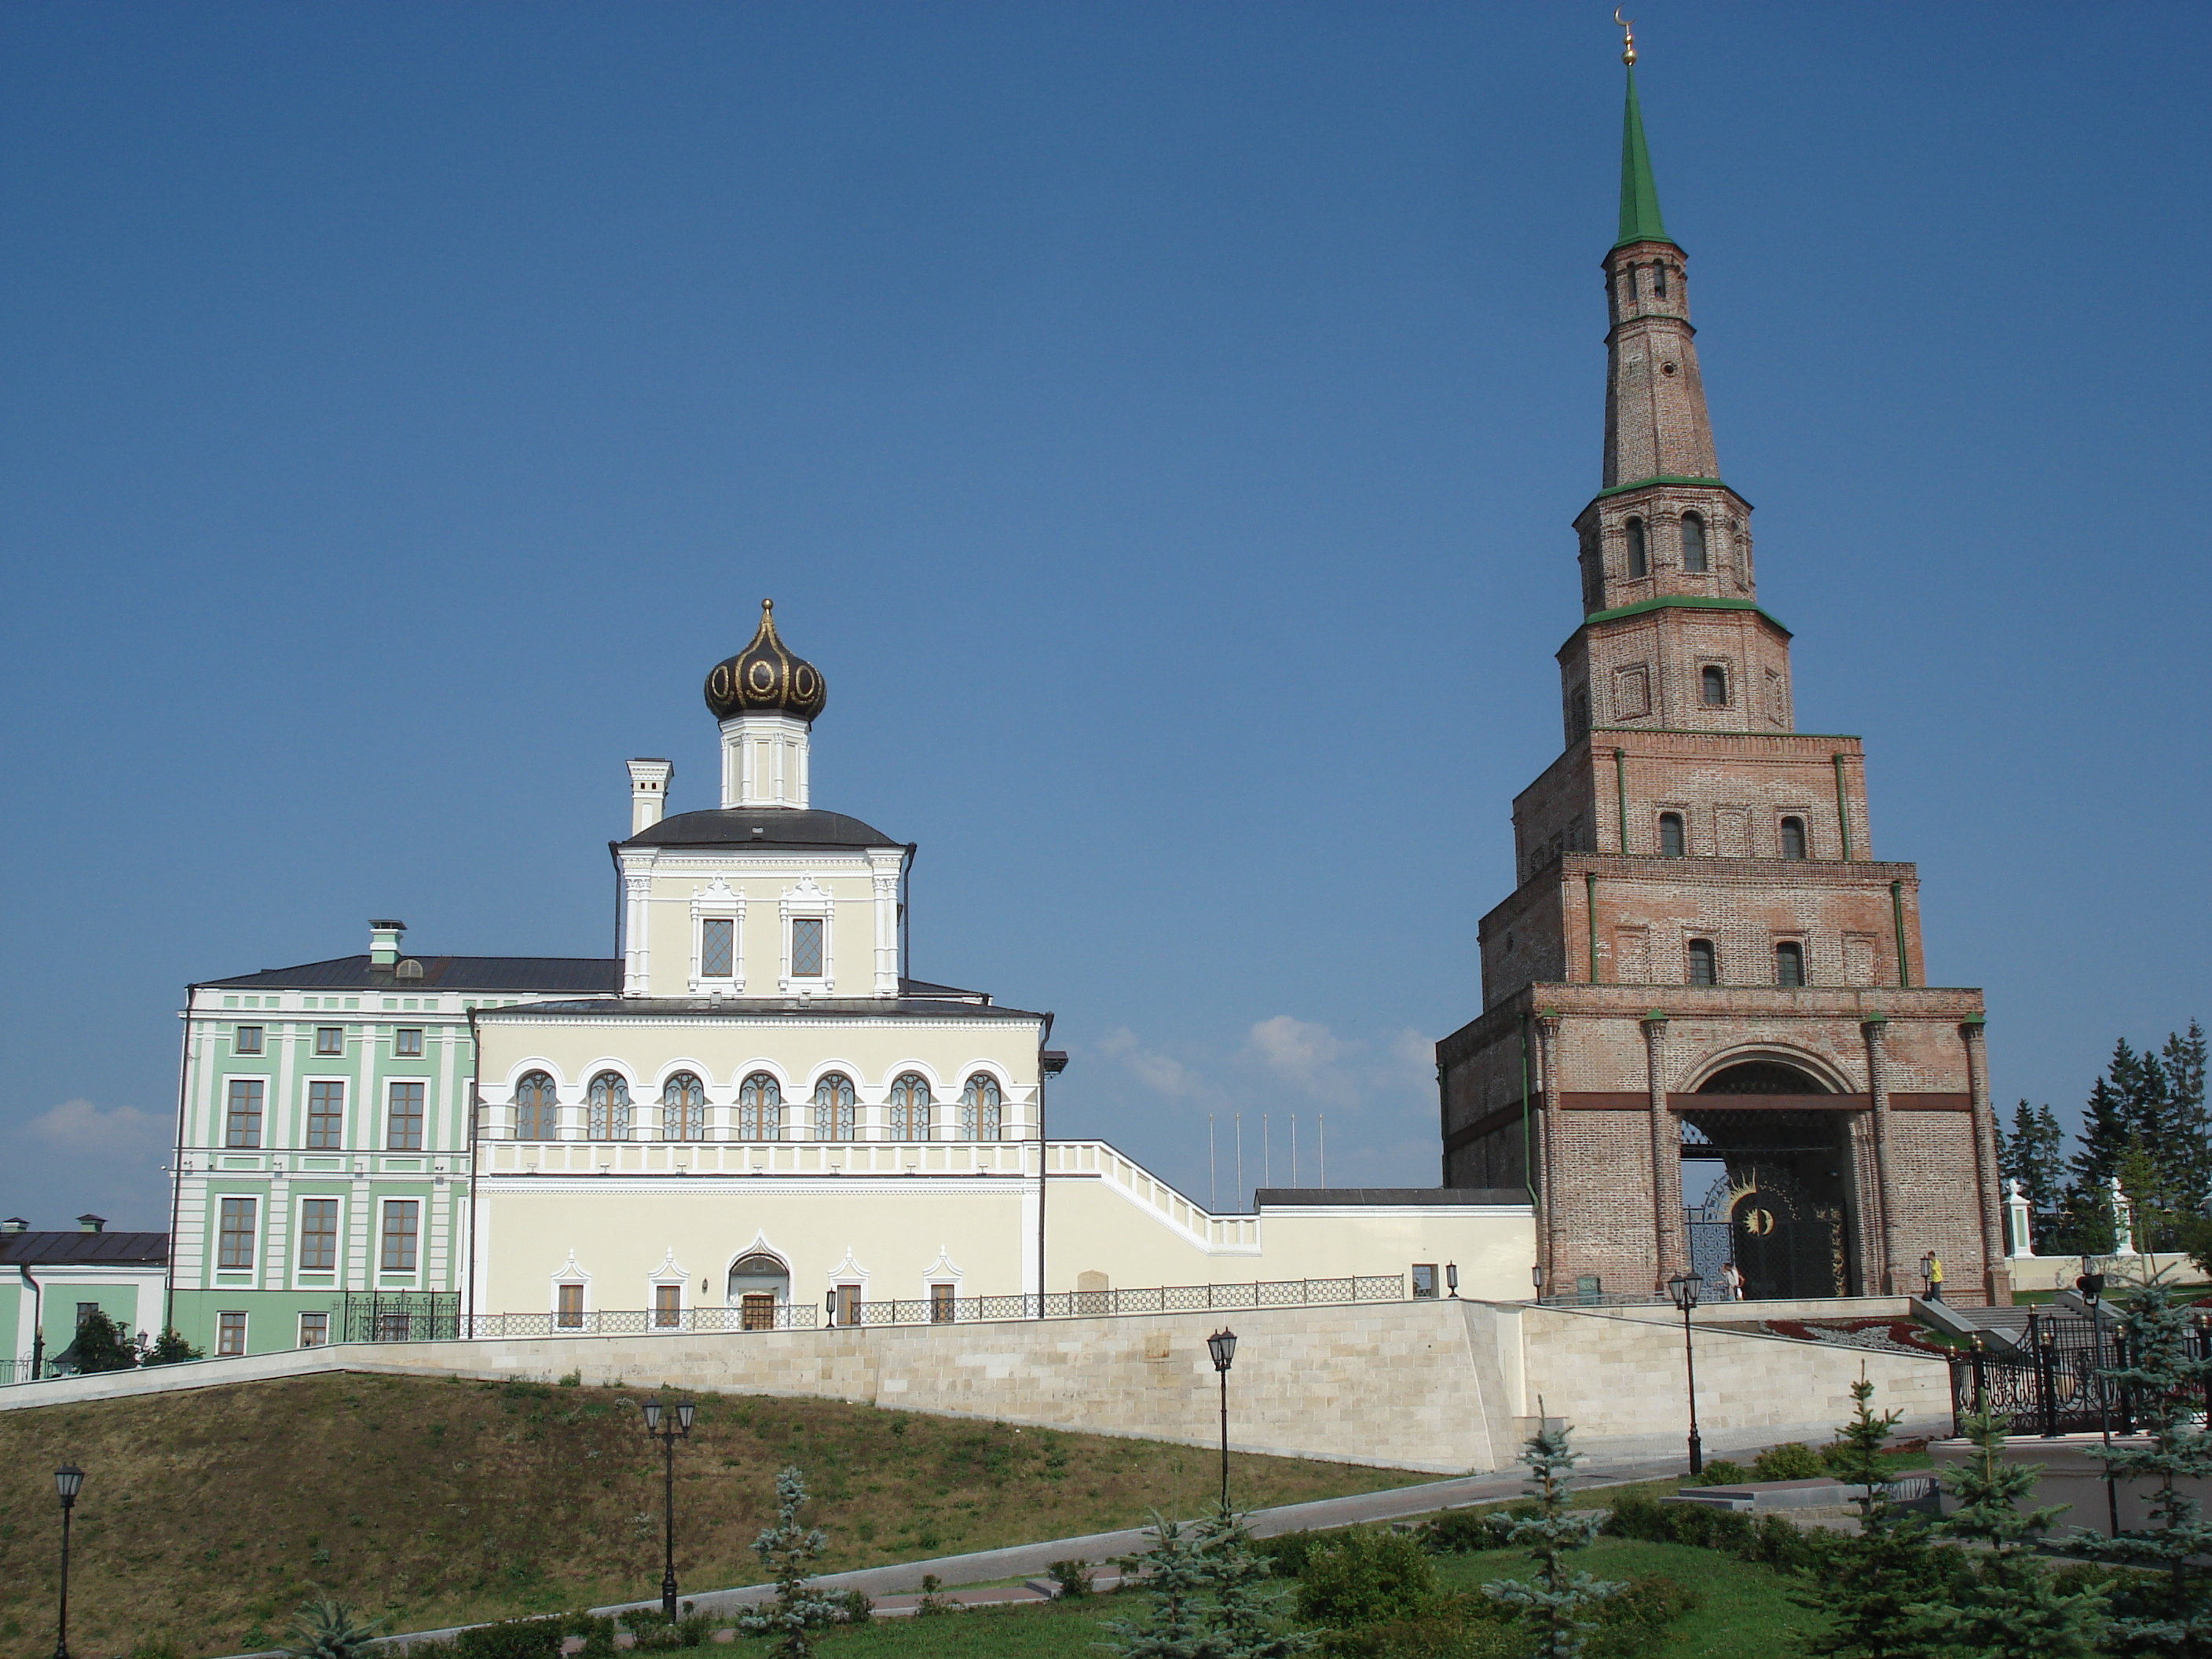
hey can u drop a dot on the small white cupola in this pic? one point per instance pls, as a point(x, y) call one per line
point(648, 793)
point(767, 700)
point(383, 942)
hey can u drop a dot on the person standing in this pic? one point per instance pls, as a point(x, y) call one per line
point(1731, 1282)
point(1932, 1270)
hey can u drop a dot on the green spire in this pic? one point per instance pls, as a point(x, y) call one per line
point(1639, 197)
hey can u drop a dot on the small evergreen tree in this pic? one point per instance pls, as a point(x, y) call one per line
point(1553, 1605)
point(2033, 1154)
point(1209, 1597)
point(1175, 1576)
point(789, 1552)
point(1868, 1581)
point(2009, 1606)
point(2166, 1381)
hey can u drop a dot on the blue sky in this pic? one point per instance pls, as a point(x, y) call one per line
point(1161, 423)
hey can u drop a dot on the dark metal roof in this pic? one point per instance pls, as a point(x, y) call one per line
point(443, 974)
point(760, 826)
point(77, 1248)
point(922, 987)
point(1287, 1196)
point(914, 1007)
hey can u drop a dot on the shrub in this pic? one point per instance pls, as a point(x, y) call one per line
point(512, 1638)
point(1073, 1578)
point(1287, 1552)
point(330, 1630)
point(1723, 1472)
point(1455, 1627)
point(1635, 1622)
point(1362, 1576)
point(1464, 1531)
point(1791, 1461)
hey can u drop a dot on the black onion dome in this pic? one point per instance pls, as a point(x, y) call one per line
point(765, 678)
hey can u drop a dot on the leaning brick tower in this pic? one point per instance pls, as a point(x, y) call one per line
point(1706, 1032)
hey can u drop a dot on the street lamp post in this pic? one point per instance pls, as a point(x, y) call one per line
point(2090, 1287)
point(69, 1480)
point(1684, 1288)
point(667, 1426)
point(1222, 1345)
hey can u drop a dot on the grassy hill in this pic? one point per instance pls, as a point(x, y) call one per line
point(208, 1515)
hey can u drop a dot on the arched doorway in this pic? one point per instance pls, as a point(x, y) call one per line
point(759, 1284)
point(1765, 1185)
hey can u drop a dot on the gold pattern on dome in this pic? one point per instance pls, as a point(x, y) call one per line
point(766, 678)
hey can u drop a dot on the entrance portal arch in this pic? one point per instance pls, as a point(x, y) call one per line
point(759, 1284)
point(1765, 1185)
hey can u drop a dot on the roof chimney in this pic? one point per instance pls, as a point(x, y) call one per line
point(648, 793)
point(383, 942)
point(14, 1224)
point(92, 1224)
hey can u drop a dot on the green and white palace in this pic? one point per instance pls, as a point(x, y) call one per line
point(322, 1163)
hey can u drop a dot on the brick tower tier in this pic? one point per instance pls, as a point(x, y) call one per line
point(1707, 1036)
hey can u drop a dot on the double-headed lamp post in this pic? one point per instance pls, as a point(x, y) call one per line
point(668, 1424)
point(1684, 1288)
point(1222, 1345)
point(69, 1480)
point(2090, 1287)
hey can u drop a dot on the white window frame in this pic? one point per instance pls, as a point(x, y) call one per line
point(811, 901)
point(304, 1317)
point(346, 1116)
point(221, 1136)
point(390, 1083)
point(321, 1053)
point(400, 1050)
point(719, 900)
point(260, 1040)
point(245, 1331)
point(252, 1267)
point(422, 1217)
point(569, 1274)
point(328, 1278)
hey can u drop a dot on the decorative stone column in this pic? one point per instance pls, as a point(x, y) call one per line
point(1547, 1144)
point(1670, 1247)
point(1875, 1029)
point(1996, 1278)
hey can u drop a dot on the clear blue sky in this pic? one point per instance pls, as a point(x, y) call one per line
point(1161, 423)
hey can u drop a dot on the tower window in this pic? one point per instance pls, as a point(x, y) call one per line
point(1659, 280)
point(1712, 686)
point(1693, 544)
point(1670, 835)
point(1703, 970)
point(1790, 963)
point(1638, 562)
point(1629, 272)
point(1793, 838)
point(1578, 716)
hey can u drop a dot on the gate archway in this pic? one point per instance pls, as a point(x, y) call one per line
point(1765, 1185)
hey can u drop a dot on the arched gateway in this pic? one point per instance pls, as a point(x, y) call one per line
point(1765, 1182)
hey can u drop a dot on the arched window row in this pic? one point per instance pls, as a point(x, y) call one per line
point(1692, 539)
point(759, 1114)
point(1703, 964)
point(1792, 841)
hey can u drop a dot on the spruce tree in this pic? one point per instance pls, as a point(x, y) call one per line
point(2009, 1606)
point(790, 1551)
point(2165, 1382)
point(2033, 1155)
point(1552, 1607)
point(1176, 1576)
point(1243, 1622)
point(2183, 1057)
point(1868, 1583)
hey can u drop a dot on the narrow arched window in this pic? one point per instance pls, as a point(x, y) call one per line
point(683, 1108)
point(1693, 544)
point(609, 1100)
point(537, 1108)
point(1659, 279)
point(910, 1108)
point(760, 1108)
point(1793, 838)
point(1628, 275)
point(979, 1109)
point(1670, 835)
point(1712, 686)
point(1578, 713)
point(835, 1110)
point(1639, 563)
point(1703, 970)
point(1789, 963)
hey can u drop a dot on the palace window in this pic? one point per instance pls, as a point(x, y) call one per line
point(1424, 1281)
point(1712, 686)
point(910, 1108)
point(683, 1108)
point(229, 1333)
point(849, 1305)
point(944, 1304)
point(407, 1043)
point(314, 1330)
point(1670, 835)
point(718, 947)
point(835, 1109)
point(402, 1119)
point(1793, 838)
point(319, 1235)
point(667, 1307)
point(760, 1108)
point(980, 1105)
point(329, 1040)
point(537, 1108)
point(569, 1315)
point(1693, 544)
point(1703, 970)
point(325, 1116)
point(1639, 563)
point(234, 1234)
point(1790, 963)
point(246, 1040)
point(806, 947)
point(242, 1124)
point(402, 1220)
point(608, 1103)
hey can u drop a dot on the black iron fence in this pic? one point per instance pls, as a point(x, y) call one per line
point(400, 1316)
point(2058, 1382)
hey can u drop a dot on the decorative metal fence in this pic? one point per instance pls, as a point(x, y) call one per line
point(400, 1316)
point(945, 1310)
point(2060, 1381)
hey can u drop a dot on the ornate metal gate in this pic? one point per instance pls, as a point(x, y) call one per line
point(402, 1315)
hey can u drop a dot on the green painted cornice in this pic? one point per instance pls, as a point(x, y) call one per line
point(1658, 478)
point(1679, 602)
point(1640, 196)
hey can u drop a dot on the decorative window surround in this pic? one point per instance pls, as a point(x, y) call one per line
point(808, 900)
point(568, 1274)
point(718, 899)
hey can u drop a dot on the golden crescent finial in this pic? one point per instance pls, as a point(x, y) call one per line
point(1627, 37)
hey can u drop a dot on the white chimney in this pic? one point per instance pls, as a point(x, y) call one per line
point(383, 942)
point(648, 793)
